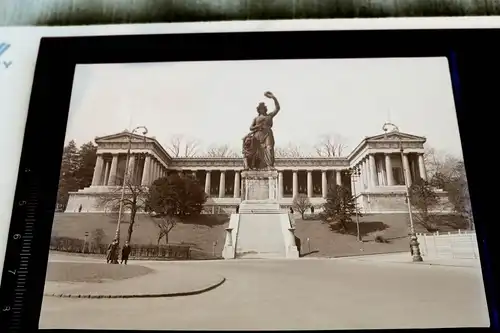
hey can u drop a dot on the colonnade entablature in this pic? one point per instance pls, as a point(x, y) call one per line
point(378, 159)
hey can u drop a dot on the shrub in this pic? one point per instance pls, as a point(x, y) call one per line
point(138, 251)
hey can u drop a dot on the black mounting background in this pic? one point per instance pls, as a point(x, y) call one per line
point(475, 61)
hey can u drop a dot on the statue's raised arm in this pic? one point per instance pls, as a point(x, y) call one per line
point(270, 95)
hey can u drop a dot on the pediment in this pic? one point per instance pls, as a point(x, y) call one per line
point(123, 137)
point(396, 136)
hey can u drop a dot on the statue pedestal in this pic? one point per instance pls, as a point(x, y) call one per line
point(259, 192)
point(260, 185)
point(262, 229)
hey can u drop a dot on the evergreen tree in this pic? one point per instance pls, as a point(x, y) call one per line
point(339, 208)
point(67, 177)
point(87, 156)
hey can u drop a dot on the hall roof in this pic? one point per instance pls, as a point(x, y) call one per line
point(392, 136)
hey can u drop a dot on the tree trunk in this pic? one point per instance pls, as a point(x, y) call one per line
point(166, 238)
point(131, 224)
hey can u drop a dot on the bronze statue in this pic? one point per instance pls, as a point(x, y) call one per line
point(258, 145)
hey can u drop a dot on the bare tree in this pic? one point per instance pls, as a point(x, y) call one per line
point(133, 202)
point(301, 203)
point(289, 150)
point(425, 201)
point(221, 151)
point(330, 145)
point(165, 224)
point(182, 147)
point(441, 168)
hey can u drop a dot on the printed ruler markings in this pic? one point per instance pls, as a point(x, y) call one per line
point(24, 256)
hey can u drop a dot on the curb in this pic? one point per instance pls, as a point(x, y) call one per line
point(446, 265)
point(423, 263)
point(172, 294)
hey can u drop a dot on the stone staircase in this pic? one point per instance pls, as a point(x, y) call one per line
point(260, 236)
point(259, 207)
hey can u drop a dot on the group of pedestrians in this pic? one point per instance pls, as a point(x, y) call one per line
point(112, 253)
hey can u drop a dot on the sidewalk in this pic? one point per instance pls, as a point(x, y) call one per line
point(167, 281)
point(406, 258)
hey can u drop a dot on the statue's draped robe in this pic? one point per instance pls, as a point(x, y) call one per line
point(260, 151)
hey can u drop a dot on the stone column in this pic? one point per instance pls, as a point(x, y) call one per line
point(364, 173)
point(113, 169)
point(406, 170)
point(353, 185)
point(160, 168)
point(324, 184)
point(131, 169)
point(151, 169)
point(207, 182)
point(137, 170)
point(96, 179)
point(222, 184)
point(309, 184)
point(383, 175)
point(237, 182)
point(421, 167)
point(373, 170)
point(388, 170)
point(280, 184)
point(338, 176)
point(146, 171)
point(106, 173)
point(295, 183)
point(155, 171)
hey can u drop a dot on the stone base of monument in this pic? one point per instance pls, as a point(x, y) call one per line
point(260, 230)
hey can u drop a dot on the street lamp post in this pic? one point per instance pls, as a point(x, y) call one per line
point(355, 173)
point(125, 179)
point(414, 245)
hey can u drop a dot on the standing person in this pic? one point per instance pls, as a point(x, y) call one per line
point(80, 208)
point(125, 252)
point(112, 256)
point(291, 210)
point(312, 209)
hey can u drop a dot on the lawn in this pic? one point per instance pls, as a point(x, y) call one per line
point(324, 242)
point(201, 232)
point(92, 272)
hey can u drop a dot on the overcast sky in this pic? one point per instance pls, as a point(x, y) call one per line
point(214, 102)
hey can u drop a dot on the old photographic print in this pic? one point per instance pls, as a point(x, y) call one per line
point(283, 194)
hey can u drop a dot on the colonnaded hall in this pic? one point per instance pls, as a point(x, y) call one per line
point(378, 184)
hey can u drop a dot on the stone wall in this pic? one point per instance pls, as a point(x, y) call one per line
point(395, 202)
point(459, 245)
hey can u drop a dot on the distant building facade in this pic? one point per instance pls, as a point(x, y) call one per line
point(378, 185)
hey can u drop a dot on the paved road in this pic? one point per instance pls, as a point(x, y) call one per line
point(295, 294)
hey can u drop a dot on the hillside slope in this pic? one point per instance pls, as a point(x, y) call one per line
point(200, 233)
